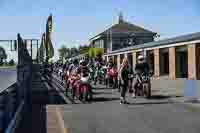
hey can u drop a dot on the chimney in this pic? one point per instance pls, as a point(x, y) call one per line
point(121, 19)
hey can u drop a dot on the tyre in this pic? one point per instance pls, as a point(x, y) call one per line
point(85, 94)
point(147, 90)
point(73, 93)
point(95, 81)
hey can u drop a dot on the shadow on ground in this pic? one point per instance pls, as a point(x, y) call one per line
point(33, 121)
point(48, 96)
point(103, 99)
point(158, 97)
point(99, 93)
point(151, 103)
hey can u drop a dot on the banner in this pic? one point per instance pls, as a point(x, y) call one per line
point(48, 44)
point(41, 52)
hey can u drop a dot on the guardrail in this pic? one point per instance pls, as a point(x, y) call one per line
point(8, 106)
point(16, 99)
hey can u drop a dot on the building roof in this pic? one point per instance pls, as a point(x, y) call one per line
point(125, 27)
point(179, 39)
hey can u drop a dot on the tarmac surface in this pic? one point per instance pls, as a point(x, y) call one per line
point(54, 112)
point(8, 76)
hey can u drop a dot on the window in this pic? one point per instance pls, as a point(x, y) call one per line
point(164, 61)
point(101, 44)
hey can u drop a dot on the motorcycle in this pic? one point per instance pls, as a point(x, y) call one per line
point(92, 74)
point(60, 72)
point(144, 86)
point(73, 87)
point(112, 78)
point(66, 79)
point(99, 74)
point(85, 93)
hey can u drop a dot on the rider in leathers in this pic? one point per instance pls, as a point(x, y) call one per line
point(141, 67)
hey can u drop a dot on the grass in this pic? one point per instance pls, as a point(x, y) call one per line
point(7, 66)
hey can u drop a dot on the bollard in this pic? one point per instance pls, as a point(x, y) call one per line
point(190, 92)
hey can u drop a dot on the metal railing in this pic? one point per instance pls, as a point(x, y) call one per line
point(16, 99)
point(7, 106)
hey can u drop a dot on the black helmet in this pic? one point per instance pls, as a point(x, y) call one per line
point(75, 61)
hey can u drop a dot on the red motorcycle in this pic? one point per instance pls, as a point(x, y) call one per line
point(112, 75)
point(66, 80)
point(84, 88)
point(73, 87)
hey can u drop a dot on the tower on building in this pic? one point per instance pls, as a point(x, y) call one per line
point(121, 18)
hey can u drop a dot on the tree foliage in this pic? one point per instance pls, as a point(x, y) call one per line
point(96, 52)
point(83, 49)
point(11, 62)
point(62, 52)
point(3, 55)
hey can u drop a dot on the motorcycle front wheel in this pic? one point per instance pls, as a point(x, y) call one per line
point(85, 95)
point(147, 90)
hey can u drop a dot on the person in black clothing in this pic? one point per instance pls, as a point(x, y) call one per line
point(124, 71)
point(141, 67)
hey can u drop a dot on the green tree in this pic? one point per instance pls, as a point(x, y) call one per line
point(91, 53)
point(83, 49)
point(94, 52)
point(62, 52)
point(74, 51)
point(11, 62)
point(3, 55)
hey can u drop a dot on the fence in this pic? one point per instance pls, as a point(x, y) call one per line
point(16, 99)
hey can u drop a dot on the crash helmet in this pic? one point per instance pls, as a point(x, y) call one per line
point(141, 58)
point(75, 62)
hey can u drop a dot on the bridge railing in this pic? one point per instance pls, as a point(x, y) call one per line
point(16, 99)
point(7, 106)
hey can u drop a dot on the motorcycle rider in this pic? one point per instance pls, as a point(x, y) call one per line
point(109, 66)
point(83, 67)
point(74, 76)
point(98, 69)
point(63, 71)
point(83, 70)
point(110, 62)
point(73, 66)
point(141, 67)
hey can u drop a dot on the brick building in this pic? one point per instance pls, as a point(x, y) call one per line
point(170, 58)
point(121, 35)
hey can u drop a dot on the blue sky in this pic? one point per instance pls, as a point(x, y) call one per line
point(74, 22)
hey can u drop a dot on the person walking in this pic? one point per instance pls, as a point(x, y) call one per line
point(124, 76)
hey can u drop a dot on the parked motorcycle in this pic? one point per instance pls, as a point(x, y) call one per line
point(144, 86)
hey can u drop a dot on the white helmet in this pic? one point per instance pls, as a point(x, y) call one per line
point(140, 57)
point(81, 61)
point(70, 60)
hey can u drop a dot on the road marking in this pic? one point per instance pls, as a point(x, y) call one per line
point(66, 130)
point(61, 121)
